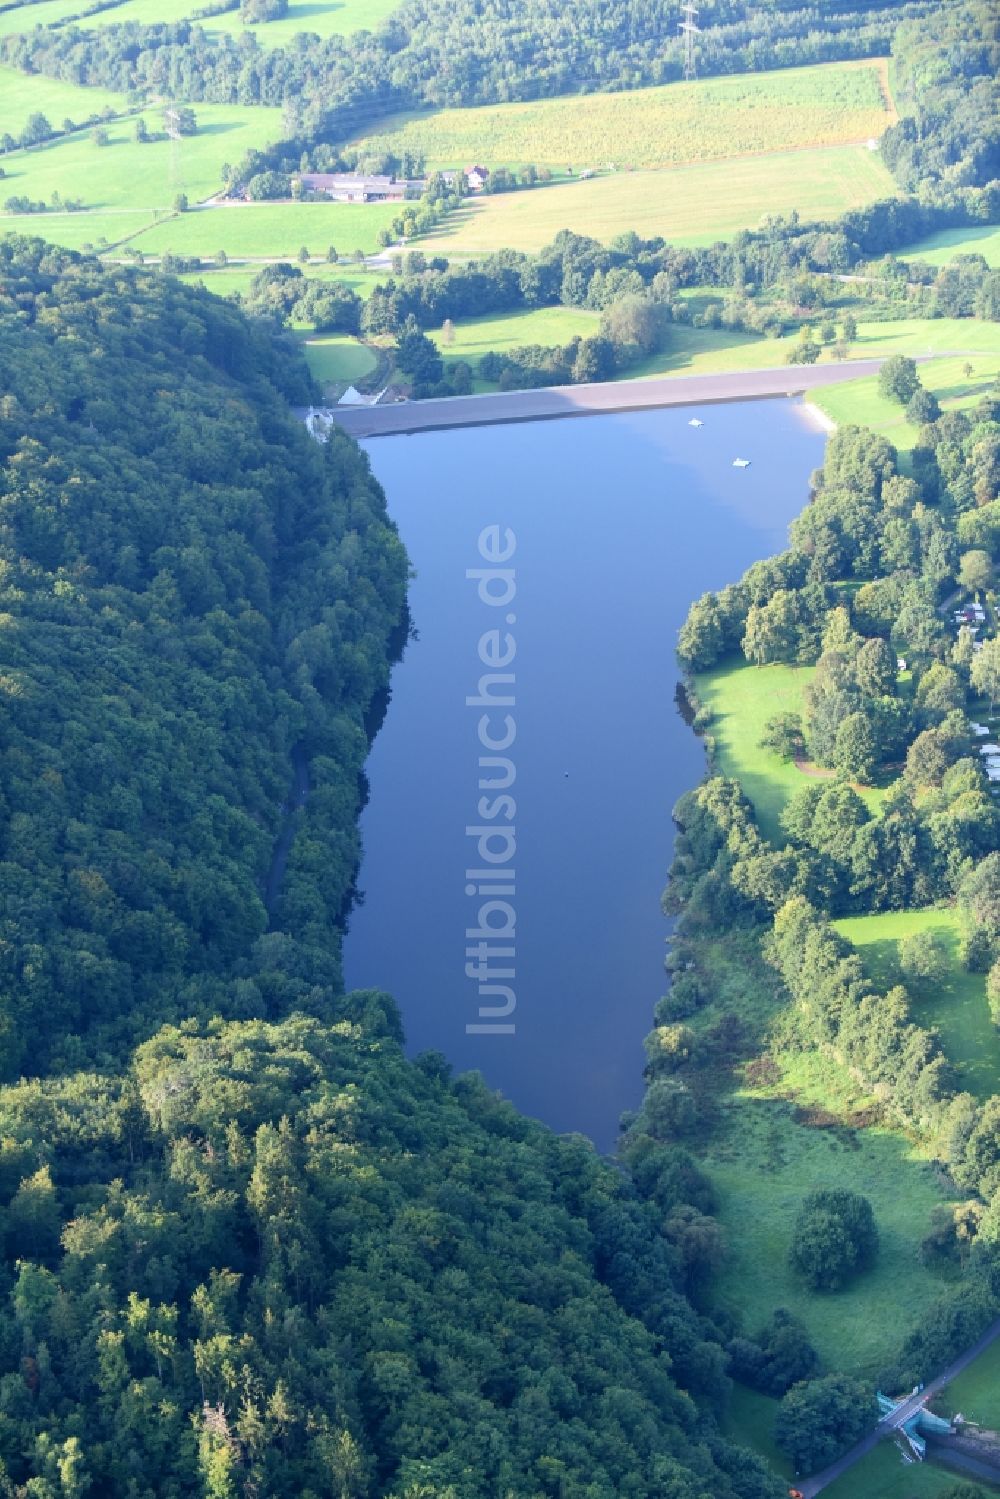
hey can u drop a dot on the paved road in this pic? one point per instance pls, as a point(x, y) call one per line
point(588, 400)
point(809, 1487)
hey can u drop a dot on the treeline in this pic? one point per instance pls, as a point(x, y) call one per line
point(192, 589)
point(948, 80)
point(434, 52)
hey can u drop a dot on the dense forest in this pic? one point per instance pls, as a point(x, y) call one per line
point(247, 1247)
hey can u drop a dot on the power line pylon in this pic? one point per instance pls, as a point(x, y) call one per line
point(689, 27)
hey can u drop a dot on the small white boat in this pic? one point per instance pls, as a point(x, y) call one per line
point(694, 422)
point(741, 463)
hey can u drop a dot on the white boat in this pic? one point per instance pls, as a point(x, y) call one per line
point(694, 422)
point(741, 463)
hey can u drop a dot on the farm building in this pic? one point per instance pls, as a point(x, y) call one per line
point(347, 187)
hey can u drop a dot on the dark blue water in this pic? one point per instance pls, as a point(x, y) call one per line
point(618, 523)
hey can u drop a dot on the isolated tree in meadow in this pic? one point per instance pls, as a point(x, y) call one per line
point(834, 1238)
point(923, 959)
point(975, 571)
point(783, 733)
point(923, 407)
point(850, 326)
point(821, 1418)
point(448, 332)
point(985, 671)
point(100, 136)
point(36, 130)
point(141, 131)
point(181, 203)
point(303, 256)
point(898, 379)
point(332, 255)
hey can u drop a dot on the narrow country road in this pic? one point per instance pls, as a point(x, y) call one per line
point(809, 1487)
point(589, 400)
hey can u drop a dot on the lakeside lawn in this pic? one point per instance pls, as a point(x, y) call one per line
point(127, 174)
point(762, 1160)
point(830, 104)
point(958, 1007)
point(689, 205)
point(941, 248)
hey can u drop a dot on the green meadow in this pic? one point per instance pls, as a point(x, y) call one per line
point(337, 359)
point(976, 1391)
point(125, 174)
point(22, 94)
point(689, 205)
point(886, 1474)
point(941, 249)
point(548, 326)
point(269, 229)
point(957, 1007)
point(763, 1159)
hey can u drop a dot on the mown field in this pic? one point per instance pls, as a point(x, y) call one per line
point(941, 249)
point(321, 17)
point(269, 229)
point(706, 120)
point(691, 205)
point(957, 1007)
point(125, 174)
point(548, 326)
point(22, 94)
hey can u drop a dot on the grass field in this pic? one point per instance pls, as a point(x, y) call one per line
point(337, 359)
point(709, 119)
point(940, 249)
point(22, 94)
point(125, 174)
point(885, 1475)
point(691, 205)
point(79, 231)
point(750, 1422)
point(544, 325)
point(276, 229)
point(762, 1162)
point(976, 1391)
point(322, 17)
point(958, 1007)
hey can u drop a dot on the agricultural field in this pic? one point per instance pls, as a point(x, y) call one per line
point(319, 17)
point(22, 94)
point(79, 231)
point(957, 1007)
point(941, 249)
point(830, 105)
point(765, 1156)
point(127, 174)
point(689, 205)
point(269, 229)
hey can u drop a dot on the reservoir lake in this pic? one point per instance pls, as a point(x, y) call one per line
point(618, 522)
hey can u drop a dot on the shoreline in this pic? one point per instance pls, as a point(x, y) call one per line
point(495, 408)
